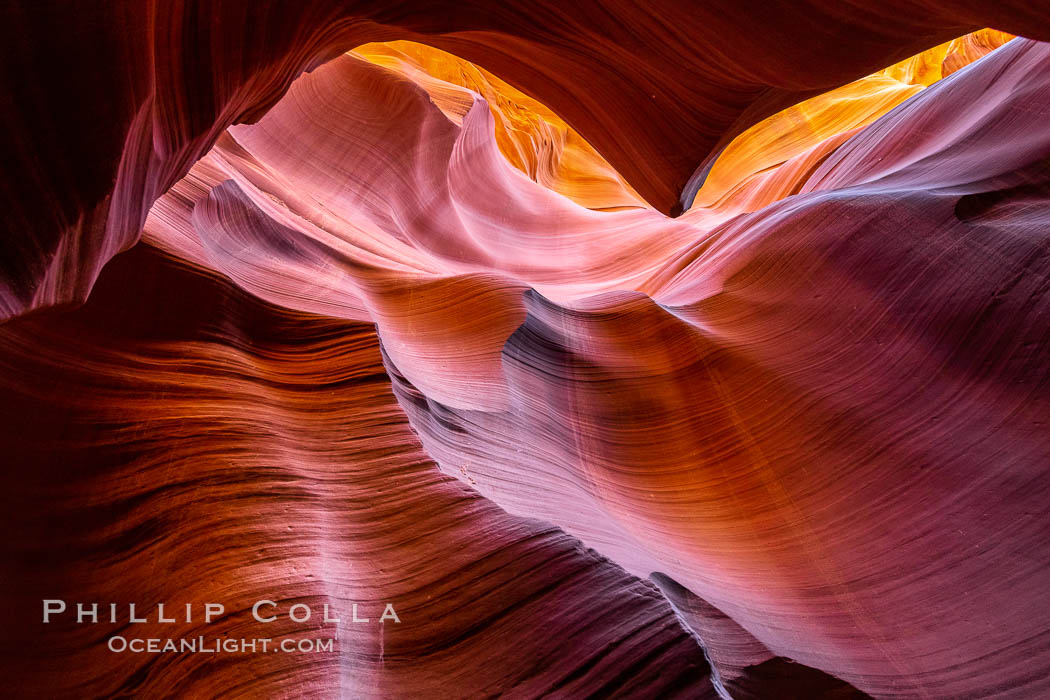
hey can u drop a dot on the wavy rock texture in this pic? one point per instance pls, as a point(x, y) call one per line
point(109, 106)
point(800, 430)
point(227, 450)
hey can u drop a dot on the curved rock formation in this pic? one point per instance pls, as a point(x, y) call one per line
point(657, 88)
point(791, 443)
point(188, 458)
